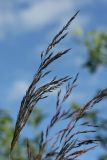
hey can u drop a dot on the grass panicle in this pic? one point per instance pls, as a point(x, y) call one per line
point(70, 141)
point(34, 94)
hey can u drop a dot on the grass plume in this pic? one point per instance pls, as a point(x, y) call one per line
point(68, 143)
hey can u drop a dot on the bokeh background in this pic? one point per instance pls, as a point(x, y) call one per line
point(26, 28)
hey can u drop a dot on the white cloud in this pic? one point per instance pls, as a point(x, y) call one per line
point(17, 90)
point(43, 12)
point(78, 61)
point(36, 15)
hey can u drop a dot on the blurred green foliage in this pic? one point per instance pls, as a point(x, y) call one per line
point(96, 46)
point(95, 43)
point(6, 133)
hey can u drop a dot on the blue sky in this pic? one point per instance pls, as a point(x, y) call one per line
point(26, 27)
